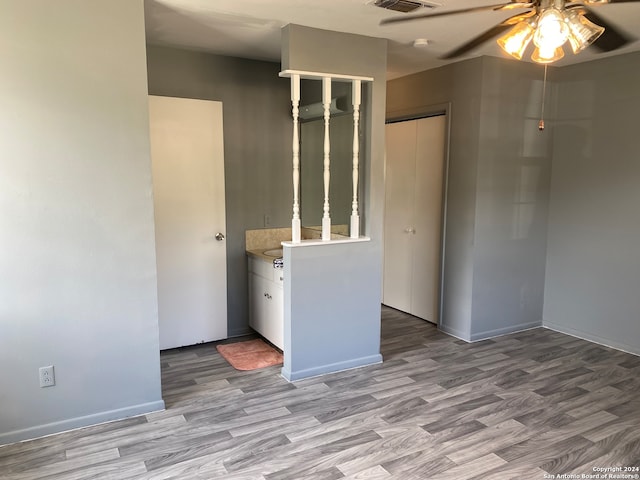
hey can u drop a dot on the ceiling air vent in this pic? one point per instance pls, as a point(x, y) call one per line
point(399, 5)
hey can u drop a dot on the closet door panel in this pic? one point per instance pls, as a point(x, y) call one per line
point(399, 204)
point(428, 217)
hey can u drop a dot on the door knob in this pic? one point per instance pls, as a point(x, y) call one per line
point(219, 236)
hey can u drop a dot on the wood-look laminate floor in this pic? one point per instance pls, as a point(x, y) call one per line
point(518, 406)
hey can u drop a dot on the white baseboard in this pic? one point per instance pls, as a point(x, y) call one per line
point(593, 338)
point(478, 337)
point(499, 332)
point(79, 422)
point(292, 376)
point(453, 332)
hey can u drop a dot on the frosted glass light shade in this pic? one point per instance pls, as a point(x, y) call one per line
point(541, 55)
point(516, 40)
point(583, 31)
point(552, 30)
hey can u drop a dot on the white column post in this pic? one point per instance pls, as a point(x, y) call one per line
point(326, 103)
point(295, 101)
point(356, 99)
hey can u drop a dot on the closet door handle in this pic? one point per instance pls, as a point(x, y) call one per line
point(409, 230)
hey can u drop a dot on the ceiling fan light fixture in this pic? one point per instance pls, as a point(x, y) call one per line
point(552, 31)
point(544, 55)
point(516, 40)
point(583, 31)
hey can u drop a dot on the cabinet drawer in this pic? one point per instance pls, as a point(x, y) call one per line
point(278, 275)
point(262, 268)
point(266, 270)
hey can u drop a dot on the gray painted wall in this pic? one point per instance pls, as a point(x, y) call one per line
point(311, 170)
point(257, 147)
point(77, 252)
point(494, 245)
point(305, 49)
point(593, 266)
point(456, 87)
point(512, 190)
point(332, 308)
point(333, 292)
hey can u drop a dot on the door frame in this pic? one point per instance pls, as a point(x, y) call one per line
point(416, 113)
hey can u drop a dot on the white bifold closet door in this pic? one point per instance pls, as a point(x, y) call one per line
point(415, 153)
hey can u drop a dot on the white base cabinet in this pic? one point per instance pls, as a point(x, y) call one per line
point(266, 301)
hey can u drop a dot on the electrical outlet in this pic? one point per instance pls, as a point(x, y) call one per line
point(267, 220)
point(47, 377)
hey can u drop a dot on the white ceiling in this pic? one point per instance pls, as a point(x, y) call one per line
point(251, 28)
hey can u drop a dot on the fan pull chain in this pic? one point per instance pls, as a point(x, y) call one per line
point(544, 89)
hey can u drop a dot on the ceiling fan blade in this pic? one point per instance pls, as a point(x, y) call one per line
point(474, 42)
point(500, 6)
point(487, 35)
point(612, 38)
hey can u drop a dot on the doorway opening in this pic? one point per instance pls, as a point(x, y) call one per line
point(415, 205)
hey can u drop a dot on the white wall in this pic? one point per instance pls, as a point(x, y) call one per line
point(77, 253)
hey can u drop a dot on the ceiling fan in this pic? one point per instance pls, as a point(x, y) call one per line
point(548, 23)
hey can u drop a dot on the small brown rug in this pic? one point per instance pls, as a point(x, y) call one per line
point(250, 355)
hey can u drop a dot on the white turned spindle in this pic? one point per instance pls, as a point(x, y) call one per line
point(326, 103)
point(355, 217)
point(295, 101)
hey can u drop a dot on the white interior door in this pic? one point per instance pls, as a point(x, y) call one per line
point(187, 157)
point(413, 215)
point(427, 218)
point(400, 168)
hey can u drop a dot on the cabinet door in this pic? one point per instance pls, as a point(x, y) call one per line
point(398, 219)
point(274, 327)
point(266, 309)
point(427, 217)
point(257, 302)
